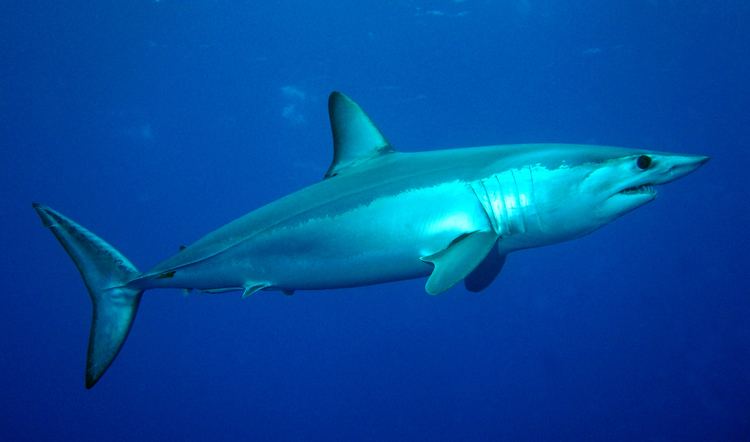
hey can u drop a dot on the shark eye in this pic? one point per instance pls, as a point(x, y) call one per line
point(643, 162)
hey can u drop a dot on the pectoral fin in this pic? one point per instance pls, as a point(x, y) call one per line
point(457, 260)
point(482, 276)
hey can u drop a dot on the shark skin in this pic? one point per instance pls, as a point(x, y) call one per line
point(378, 216)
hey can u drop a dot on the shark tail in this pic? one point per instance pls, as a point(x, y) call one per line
point(106, 273)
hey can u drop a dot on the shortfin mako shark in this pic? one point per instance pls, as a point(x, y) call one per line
point(380, 215)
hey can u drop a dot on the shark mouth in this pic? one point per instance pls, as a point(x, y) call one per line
point(638, 190)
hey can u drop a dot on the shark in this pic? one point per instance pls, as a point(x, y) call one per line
point(380, 215)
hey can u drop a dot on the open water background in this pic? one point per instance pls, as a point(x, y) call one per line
point(154, 122)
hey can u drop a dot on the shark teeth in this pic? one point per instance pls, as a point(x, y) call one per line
point(643, 188)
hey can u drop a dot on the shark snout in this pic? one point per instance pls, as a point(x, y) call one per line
point(677, 166)
point(696, 161)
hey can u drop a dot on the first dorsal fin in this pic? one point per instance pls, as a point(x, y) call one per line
point(355, 137)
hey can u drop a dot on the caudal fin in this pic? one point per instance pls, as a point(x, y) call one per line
point(106, 273)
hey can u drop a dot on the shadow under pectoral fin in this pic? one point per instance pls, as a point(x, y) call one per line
point(458, 260)
point(482, 276)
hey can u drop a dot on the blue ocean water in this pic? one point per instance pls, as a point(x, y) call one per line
point(154, 122)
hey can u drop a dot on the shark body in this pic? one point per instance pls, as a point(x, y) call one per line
point(380, 215)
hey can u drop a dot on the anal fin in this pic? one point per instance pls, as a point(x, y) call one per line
point(253, 287)
point(456, 261)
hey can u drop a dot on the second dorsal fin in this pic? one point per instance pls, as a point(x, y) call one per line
point(355, 136)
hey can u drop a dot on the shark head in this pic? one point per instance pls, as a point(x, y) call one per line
point(594, 185)
point(624, 183)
